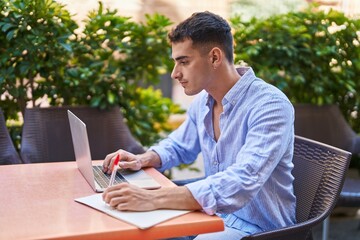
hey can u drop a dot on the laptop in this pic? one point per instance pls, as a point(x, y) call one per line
point(94, 175)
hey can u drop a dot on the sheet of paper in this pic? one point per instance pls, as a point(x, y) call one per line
point(142, 220)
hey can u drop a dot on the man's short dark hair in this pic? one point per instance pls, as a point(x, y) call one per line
point(206, 30)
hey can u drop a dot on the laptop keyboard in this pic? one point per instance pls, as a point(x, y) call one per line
point(103, 179)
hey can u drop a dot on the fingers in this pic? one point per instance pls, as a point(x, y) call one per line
point(120, 196)
point(127, 197)
point(133, 165)
point(127, 161)
point(108, 162)
point(113, 192)
point(110, 159)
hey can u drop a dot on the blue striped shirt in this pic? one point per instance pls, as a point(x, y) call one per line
point(248, 170)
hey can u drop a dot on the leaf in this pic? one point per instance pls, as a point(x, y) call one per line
point(111, 97)
point(24, 68)
point(10, 35)
point(66, 46)
point(7, 26)
point(73, 72)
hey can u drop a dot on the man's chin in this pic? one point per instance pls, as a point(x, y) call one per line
point(190, 93)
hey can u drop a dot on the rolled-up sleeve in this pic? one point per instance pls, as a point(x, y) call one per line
point(181, 146)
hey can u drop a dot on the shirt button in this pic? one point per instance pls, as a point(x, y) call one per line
point(214, 163)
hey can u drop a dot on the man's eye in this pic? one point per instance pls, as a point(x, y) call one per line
point(183, 62)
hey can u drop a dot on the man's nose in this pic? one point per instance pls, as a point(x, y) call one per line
point(175, 74)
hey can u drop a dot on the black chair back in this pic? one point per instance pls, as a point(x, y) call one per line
point(46, 135)
point(8, 153)
point(325, 124)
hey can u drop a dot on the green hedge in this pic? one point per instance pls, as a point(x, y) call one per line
point(312, 56)
point(44, 53)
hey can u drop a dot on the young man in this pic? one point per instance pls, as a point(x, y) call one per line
point(242, 126)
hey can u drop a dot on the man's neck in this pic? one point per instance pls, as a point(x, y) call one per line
point(225, 79)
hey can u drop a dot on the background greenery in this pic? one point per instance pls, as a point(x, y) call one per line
point(111, 61)
point(312, 56)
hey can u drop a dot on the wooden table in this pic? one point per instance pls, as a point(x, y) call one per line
point(37, 202)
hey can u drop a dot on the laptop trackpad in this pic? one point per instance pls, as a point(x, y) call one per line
point(140, 178)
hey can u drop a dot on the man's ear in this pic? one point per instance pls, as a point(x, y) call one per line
point(216, 57)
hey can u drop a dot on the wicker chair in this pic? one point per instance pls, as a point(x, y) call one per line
point(8, 153)
point(319, 172)
point(327, 124)
point(46, 133)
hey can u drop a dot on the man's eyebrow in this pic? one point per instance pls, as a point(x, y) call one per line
point(180, 58)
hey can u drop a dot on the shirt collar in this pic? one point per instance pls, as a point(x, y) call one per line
point(247, 76)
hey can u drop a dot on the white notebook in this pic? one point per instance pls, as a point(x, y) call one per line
point(142, 220)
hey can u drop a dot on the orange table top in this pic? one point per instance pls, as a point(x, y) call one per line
point(37, 202)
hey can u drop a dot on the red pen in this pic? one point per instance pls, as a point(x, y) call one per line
point(114, 170)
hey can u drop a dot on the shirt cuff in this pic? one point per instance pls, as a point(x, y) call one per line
point(202, 193)
point(165, 163)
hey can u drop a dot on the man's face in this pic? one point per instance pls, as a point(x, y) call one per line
point(191, 70)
